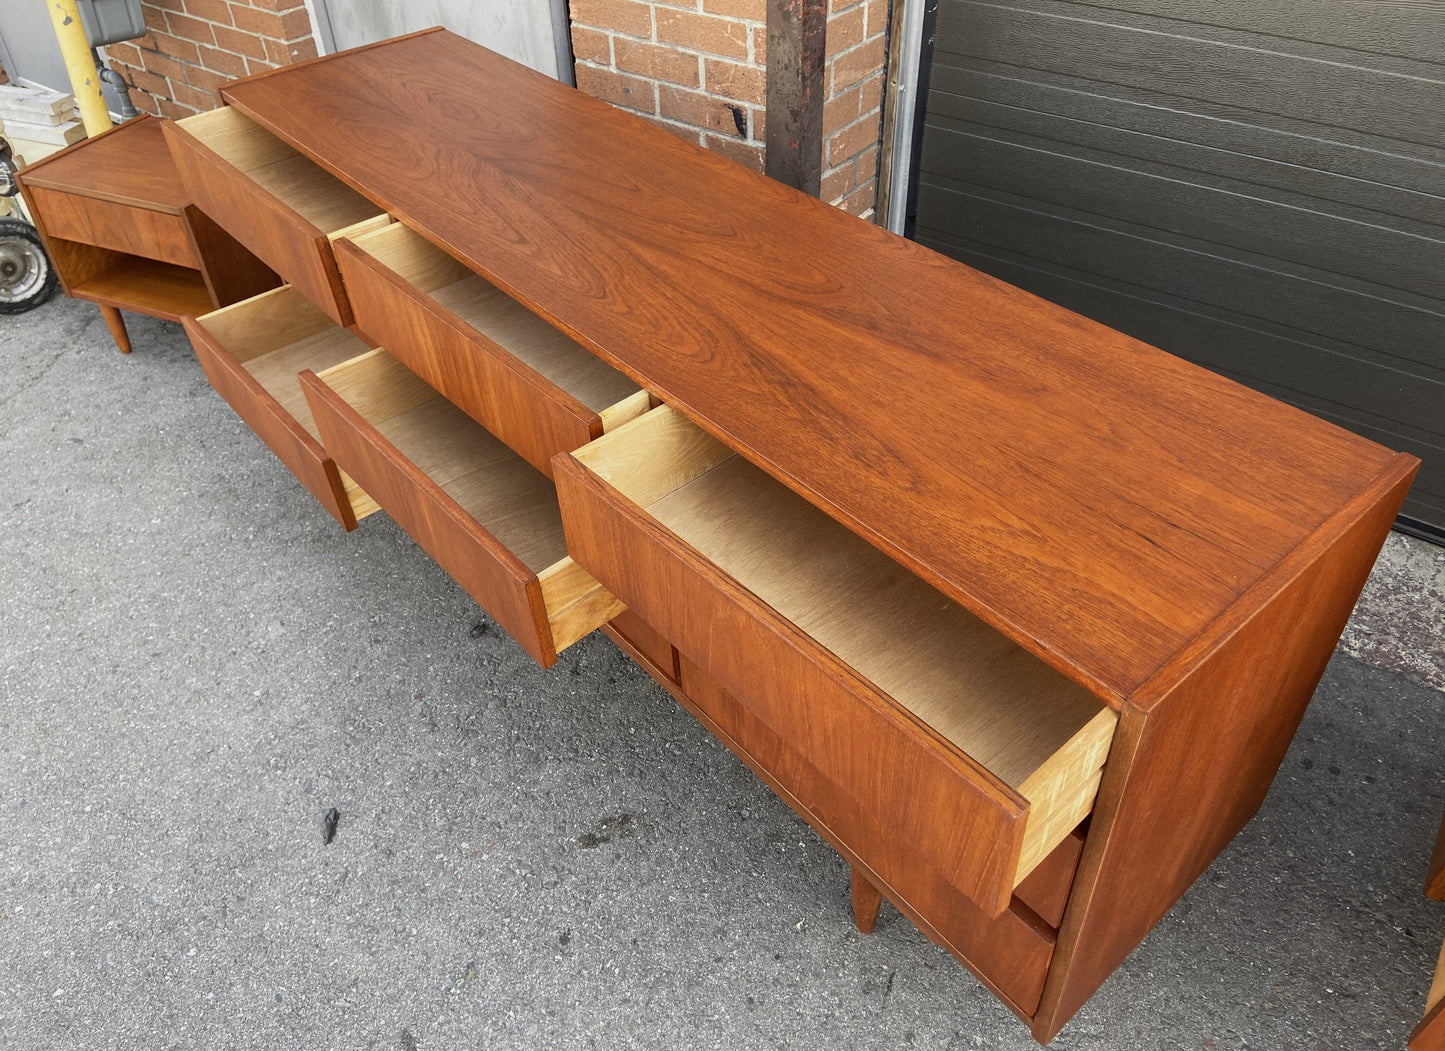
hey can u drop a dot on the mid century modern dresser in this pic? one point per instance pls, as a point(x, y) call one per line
point(1019, 613)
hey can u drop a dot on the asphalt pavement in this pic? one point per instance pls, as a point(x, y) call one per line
point(197, 665)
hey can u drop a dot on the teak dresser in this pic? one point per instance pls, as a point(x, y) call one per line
point(1019, 613)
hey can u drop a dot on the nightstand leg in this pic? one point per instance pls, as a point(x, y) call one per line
point(116, 324)
point(866, 901)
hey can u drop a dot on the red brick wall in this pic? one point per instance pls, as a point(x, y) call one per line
point(856, 53)
point(694, 66)
point(192, 47)
point(699, 68)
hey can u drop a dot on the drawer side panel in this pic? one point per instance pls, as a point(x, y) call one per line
point(293, 446)
point(486, 570)
point(288, 244)
point(969, 825)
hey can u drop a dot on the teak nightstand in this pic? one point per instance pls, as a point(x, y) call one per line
point(1018, 613)
point(123, 233)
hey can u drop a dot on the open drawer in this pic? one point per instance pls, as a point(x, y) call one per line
point(939, 727)
point(487, 516)
point(276, 202)
point(528, 383)
point(252, 352)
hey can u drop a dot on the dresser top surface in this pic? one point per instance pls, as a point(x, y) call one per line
point(129, 164)
point(1098, 500)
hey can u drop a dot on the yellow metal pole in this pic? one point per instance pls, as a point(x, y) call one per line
point(80, 64)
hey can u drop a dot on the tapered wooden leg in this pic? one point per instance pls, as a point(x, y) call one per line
point(116, 324)
point(866, 901)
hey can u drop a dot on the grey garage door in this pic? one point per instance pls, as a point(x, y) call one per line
point(1256, 185)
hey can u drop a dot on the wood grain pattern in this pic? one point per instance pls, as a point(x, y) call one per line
point(982, 722)
point(129, 228)
point(1046, 891)
point(487, 517)
point(126, 164)
point(159, 289)
point(293, 445)
point(116, 324)
point(648, 641)
point(509, 370)
point(1196, 749)
point(1010, 954)
point(1429, 1035)
point(220, 156)
point(1148, 493)
point(230, 271)
point(866, 900)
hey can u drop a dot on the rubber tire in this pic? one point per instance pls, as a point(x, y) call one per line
point(27, 277)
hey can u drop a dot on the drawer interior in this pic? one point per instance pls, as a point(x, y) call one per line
point(278, 335)
point(500, 318)
point(306, 188)
point(1036, 731)
point(506, 496)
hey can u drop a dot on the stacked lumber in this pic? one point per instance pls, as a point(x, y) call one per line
point(39, 115)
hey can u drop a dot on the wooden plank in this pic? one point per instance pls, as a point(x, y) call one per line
point(1435, 874)
point(146, 286)
point(296, 249)
point(1429, 1035)
point(902, 772)
point(230, 271)
point(647, 640)
point(796, 31)
point(1156, 493)
point(39, 105)
point(1334, 383)
point(105, 167)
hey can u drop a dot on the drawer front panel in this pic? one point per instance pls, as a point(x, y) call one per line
point(1011, 953)
point(476, 560)
point(121, 227)
point(300, 452)
point(967, 823)
point(284, 241)
point(533, 417)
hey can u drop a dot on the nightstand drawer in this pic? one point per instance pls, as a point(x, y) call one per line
point(940, 727)
point(528, 383)
point(251, 352)
point(279, 204)
point(488, 517)
point(145, 232)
